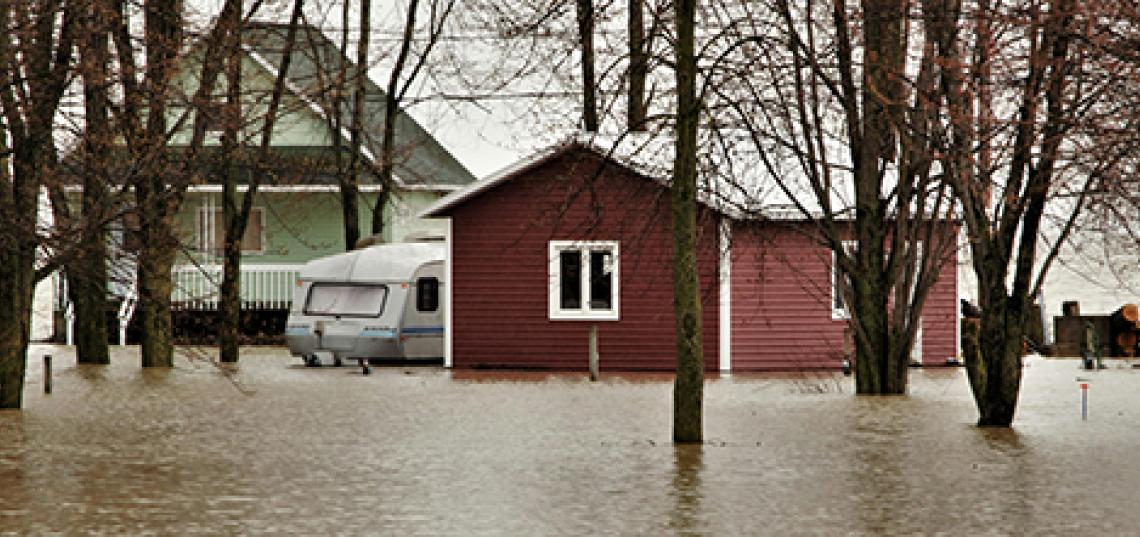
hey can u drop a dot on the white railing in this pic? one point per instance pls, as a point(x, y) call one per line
point(261, 285)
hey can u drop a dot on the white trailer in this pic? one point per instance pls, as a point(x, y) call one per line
point(379, 302)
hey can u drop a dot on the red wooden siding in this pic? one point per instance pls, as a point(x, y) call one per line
point(781, 301)
point(500, 269)
point(940, 317)
point(781, 304)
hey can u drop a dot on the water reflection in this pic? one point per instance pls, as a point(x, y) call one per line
point(685, 517)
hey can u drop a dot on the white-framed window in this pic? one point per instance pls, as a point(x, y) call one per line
point(584, 282)
point(212, 231)
point(839, 309)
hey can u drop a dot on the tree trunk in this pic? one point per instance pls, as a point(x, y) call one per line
point(350, 190)
point(15, 299)
point(638, 68)
point(586, 42)
point(688, 389)
point(87, 275)
point(233, 219)
point(878, 370)
point(155, 285)
point(88, 292)
point(993, 362)
point(229, 303)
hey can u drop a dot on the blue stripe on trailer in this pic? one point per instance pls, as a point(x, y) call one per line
point(423, 330)
point(382, 334)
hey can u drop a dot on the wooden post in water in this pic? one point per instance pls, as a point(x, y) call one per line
point(47, 373)
point(593, 352)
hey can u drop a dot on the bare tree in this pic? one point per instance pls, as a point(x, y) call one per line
point(1040, 128)
point(36, 46)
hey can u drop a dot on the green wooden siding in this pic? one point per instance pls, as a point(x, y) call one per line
point(301, 226)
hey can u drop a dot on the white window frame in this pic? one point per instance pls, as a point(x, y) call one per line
point(842, 313)
point(585, 313)
point(210, 217)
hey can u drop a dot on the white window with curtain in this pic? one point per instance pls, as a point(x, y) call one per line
point(584, 280)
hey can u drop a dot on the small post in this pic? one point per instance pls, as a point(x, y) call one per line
point(1084, 401)
point(47, 373)
point(593, 352)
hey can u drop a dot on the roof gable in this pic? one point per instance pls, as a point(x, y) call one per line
point(651, 172)
point(316, 60)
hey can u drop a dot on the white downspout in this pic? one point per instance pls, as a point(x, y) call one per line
point(447, 286)
point(725, 313)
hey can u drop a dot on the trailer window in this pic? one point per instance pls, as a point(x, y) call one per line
point(346, 300)
point(427, 294)
point(584, 280)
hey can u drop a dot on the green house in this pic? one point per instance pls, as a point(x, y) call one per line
point(297, 211)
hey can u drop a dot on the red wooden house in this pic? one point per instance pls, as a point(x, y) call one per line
point(571, 238)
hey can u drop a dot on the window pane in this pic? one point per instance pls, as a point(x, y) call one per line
point(251, 240)
point(601, 279)
point(349, 300)
point(570, 279)
point(427, 294)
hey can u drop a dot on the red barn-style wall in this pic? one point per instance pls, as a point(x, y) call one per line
point(500, 267)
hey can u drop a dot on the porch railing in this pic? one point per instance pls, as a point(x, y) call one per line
point(262, 286)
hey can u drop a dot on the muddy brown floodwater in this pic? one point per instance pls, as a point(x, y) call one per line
point(425, 451)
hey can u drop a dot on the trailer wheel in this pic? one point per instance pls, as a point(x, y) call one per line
point(337, 362)
point(313, 360)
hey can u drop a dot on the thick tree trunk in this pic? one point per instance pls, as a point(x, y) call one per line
point(88, 292)
point(88, 273)
point(155, 286)
point(688, 390)
point(589, 84)
point(992, 351)
point(877, 369)
point(233, 219)
point(15, 321)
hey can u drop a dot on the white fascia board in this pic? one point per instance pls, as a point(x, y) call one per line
point(482, 185)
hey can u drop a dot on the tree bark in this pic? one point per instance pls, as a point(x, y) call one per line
point(234, 220)
point(87, 274)
point(589, 84)
point(878, 370)
point(688, 389)
point(638, 68)
point(155, 285)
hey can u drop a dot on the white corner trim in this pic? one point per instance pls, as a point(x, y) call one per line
point(448, 284)
point(725, 314)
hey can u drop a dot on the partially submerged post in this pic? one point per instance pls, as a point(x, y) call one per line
point(593, 352)
point(47, 373)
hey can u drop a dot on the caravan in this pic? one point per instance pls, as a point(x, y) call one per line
point(379, 302)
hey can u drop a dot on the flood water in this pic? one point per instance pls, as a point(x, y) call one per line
point(279, 448)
